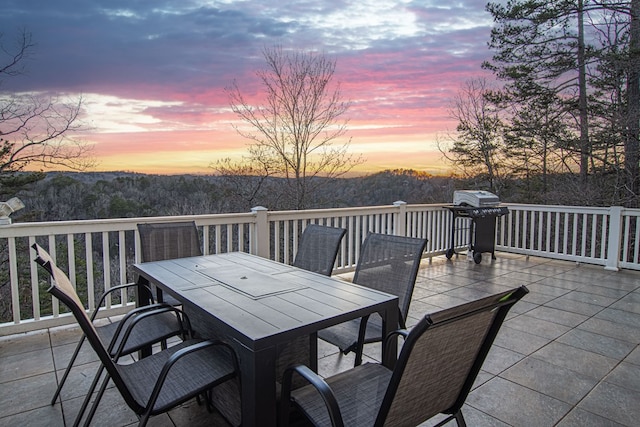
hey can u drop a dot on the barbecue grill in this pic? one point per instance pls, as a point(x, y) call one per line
point(482, 208)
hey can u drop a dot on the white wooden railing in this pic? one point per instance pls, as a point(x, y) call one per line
point(604, 236)
point(97, 254)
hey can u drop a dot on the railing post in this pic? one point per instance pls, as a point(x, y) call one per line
point(401, 218)
point(261, 237)
point(615, 238)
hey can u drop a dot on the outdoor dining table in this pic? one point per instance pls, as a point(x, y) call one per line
point(259, 305)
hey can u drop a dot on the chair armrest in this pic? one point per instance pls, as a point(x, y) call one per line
point(363, 328)
point(117, 288)
point(185, 352)
point(402, 332)
point(137, 315)
point(319, 384)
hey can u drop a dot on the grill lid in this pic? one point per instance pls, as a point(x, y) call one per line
point(475, 198)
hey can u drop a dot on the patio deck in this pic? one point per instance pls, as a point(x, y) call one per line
point(568, 354)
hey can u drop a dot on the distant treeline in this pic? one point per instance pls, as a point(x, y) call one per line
point(70, 196)
point(93, 195)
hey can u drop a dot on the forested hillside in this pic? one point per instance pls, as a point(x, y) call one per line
point(70, 196)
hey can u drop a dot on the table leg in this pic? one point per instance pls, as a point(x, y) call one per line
point(313, 352)
point(258, 387)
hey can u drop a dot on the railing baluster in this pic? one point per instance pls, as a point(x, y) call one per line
point(35, 283)
point(218, 240)
point(13, 278)
point(106, 266)
point(205, 240)
point(52, 252)
point(122, 254)
point(636, 241)
point(88, 254)
point(585, 223)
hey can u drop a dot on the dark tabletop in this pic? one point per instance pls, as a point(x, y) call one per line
point(262, 302)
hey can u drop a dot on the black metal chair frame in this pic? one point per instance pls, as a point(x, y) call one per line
point(429, 401)
point(318, 248)
point(367, 259)
point(108, 331)
point(143, 401)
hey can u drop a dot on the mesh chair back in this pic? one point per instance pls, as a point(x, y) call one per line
point(441, 358)
point(318, 248)
point(161, 241)
point(169, 240)
point(390, 264)
point(63, 290)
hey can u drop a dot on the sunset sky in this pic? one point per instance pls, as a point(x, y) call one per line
point(152, 73)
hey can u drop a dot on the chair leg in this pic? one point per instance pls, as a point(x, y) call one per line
point(67, 370)
point(359, 350)
point(144, 419)
point(208, 398)
point(460, 419)
point(87, 398)
point(94, 407)
point(205, 399)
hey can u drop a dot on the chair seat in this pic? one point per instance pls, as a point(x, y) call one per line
point(344, 335)
point(188, 377)
point(359, 393)
point(148, 331)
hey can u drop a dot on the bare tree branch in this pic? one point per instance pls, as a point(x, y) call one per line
point(35, 128)
point(294, 131)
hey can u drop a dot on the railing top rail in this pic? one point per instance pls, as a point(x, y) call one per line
point(311, 214)
point(430, 206)
point(321, 213)
point(557, 208)
point(115, 224)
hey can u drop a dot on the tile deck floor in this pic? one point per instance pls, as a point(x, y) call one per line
point(568, 354)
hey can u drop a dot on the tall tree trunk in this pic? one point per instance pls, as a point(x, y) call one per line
point(632, 150)
point(585, 149)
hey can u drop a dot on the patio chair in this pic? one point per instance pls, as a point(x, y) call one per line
point(152, 385)
point(437, 366)
point(169, 240)
point(318, 248)
point(387, 263)
point(164, 325)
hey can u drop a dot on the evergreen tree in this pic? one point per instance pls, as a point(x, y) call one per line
point(571, 81)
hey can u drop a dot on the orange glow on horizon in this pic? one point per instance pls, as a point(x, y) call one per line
point(194, 152)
